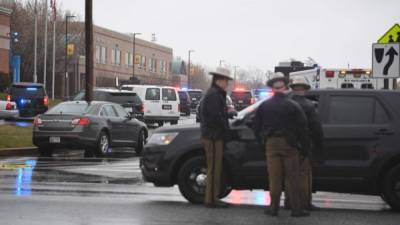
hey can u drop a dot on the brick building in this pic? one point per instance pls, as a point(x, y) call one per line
point(4, 40)
point(114, 59)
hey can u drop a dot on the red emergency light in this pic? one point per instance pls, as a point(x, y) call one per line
point(330, 74)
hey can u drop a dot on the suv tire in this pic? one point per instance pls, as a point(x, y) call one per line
point(192, 170)
point(391, 188)
point(141, 141)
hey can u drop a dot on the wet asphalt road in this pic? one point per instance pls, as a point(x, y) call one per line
point(68, 189)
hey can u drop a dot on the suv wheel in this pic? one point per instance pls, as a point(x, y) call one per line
point(192, 180)
point(45, 151)
point(141, 142)
point(103, 144)
point(391, 188)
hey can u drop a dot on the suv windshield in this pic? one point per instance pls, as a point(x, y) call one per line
point(18, 91)
point(195, 95)
point(69, 108)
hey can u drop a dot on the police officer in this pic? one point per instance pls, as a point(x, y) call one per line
point(299, 88)
point(214, 128)
point(281, 122)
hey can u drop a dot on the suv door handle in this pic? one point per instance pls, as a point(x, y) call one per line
point(384, 131)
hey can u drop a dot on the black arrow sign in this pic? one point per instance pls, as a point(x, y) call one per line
point(391, 53)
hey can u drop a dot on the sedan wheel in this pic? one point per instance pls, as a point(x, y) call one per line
point(102, 144)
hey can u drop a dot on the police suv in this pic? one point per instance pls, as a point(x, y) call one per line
point(361, 155)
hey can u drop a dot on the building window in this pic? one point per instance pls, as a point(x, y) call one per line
point(128, 59)
point(116, 56)
point(153, 65)
point(98, 53)
point(163, 67)
point(103, 55)
point(142, 63)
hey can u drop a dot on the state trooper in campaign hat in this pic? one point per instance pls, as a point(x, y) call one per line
point(214, 129)
point(279, 76)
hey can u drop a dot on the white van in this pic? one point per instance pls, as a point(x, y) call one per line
point(160, 103)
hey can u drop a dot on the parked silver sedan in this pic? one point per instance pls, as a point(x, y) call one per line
point(94, 127)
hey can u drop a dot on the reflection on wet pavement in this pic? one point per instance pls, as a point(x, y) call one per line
point(24, 179)
point(121, 176)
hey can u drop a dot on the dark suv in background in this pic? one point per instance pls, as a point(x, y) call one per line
point(361, 155)
point(242, 98)
point(184, 102)
point(195, 97)
point(31, 98)
point(131, 102)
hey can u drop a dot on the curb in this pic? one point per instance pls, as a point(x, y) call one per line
point(23, 151)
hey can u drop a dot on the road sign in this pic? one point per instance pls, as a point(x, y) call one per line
point(70, 49)
point(392, 35)
point(386, 60)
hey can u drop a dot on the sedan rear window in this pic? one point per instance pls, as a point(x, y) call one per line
point(27, 92)
point(69, 108)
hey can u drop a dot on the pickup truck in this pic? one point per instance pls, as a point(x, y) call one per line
point(361, 154)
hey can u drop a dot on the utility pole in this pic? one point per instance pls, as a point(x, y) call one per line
point(89, 50)
point(35, 47)
point(134, 54)
point(53, 77)
point(45, 47)
point(66, 79)
point(234, 76)
point(189, 84)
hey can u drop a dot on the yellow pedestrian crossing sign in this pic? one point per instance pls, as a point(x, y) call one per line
point(70, 49)
point(392, 35)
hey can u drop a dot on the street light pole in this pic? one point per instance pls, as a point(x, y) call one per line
point(189, 84)
point(234, 77)
point(35, 47)
point(66, 80)
point(45, 48)
point(89, 50)
point(134, 54)
point(220, 62)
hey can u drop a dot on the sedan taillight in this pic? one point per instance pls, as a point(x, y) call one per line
point(80, 121)
point(9, 106)
point(37, 121)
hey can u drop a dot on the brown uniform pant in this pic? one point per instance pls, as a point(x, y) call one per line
point(214, 156)
point(283, 167)
point(305, 185)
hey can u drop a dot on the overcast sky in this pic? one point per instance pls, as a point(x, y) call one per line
point(257, 33)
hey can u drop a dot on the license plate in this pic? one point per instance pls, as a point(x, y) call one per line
point(167, 107)
point(54, 140)
point(194, 99)
point(240, 101)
